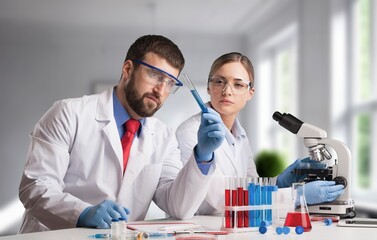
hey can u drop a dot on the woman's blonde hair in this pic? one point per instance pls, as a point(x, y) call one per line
point(233, 57)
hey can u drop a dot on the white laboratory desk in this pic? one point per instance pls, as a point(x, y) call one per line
point(318, 231)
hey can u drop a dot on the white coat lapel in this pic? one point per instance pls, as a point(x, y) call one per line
point(105, 114)
point(229, 162)
point(112, 137)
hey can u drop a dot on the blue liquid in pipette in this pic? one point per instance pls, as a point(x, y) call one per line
point(199, 100)
point(100, 235)
point(159, 235)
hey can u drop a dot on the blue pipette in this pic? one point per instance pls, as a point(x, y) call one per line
point(100, 235)
point(195, 93)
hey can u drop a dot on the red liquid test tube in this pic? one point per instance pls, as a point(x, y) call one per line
point(246, 203)
point(240, 195)
point(228, 217)
point(234, 201)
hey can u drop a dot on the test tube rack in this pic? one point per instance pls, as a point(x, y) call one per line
point(248, 218)
point(248, 203)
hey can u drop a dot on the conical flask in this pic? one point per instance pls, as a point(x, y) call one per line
point(298, 214)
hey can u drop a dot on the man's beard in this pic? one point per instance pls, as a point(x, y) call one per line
point(136, 103)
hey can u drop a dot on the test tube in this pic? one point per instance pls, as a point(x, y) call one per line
point(257, 201)
point(263, 190)
point(251, 189)
point(240, 196)
point(274, 203)
point(234, 201)
point(268, 199)
point(246, 202)
point(228, 217)
point(195, 93)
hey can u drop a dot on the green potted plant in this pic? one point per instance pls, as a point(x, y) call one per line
point(270, 163)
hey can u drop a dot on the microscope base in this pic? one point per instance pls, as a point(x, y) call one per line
point(342, 209)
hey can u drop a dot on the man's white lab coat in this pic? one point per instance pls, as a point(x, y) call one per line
point(75, 160)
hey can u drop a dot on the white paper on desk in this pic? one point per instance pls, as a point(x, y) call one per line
point(164, 227)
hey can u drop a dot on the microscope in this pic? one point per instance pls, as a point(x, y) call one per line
point(315, 139)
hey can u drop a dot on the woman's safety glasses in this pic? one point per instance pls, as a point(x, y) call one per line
point(238, 86)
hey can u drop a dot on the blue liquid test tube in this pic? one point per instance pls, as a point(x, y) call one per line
point(257, 202)
point(199, 100)
point(195, 93)
point(268, 199)
point(263, 190)
point(251, 203)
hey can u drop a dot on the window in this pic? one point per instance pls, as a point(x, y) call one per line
point(363, 107)
point(276, 91)
point(354, 54)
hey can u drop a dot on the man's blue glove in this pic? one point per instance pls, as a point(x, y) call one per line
point(287, 177)
point(211, 134)
point(322, 191)
point(100, 215)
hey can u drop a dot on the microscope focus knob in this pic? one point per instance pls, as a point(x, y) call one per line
point(340, 180)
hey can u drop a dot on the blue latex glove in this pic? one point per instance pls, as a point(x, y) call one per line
point(287, 177)
point(100, 215)
point(322, 191)
point(211, 134)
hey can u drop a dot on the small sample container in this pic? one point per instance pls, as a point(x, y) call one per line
point(115, 229)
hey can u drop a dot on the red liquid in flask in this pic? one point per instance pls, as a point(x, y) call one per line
point(295, 219)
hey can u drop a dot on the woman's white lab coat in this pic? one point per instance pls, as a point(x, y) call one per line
point(75, 161)
point(233, 158)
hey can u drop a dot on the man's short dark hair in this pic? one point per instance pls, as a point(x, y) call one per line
point(159, 45)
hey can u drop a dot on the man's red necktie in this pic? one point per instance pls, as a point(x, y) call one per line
point(131, 126)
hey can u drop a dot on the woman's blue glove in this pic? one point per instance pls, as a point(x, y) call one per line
point(211, 134)
point(100, 215)
point(287, 177)
point(322, 191)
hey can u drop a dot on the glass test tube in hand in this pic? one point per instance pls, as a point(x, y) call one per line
point(195, 93)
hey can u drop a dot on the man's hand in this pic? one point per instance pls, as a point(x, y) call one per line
point(100, 215)
point(287, 177)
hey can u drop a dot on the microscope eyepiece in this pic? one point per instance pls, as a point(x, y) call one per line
point(288, 121)
point(277, 116)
